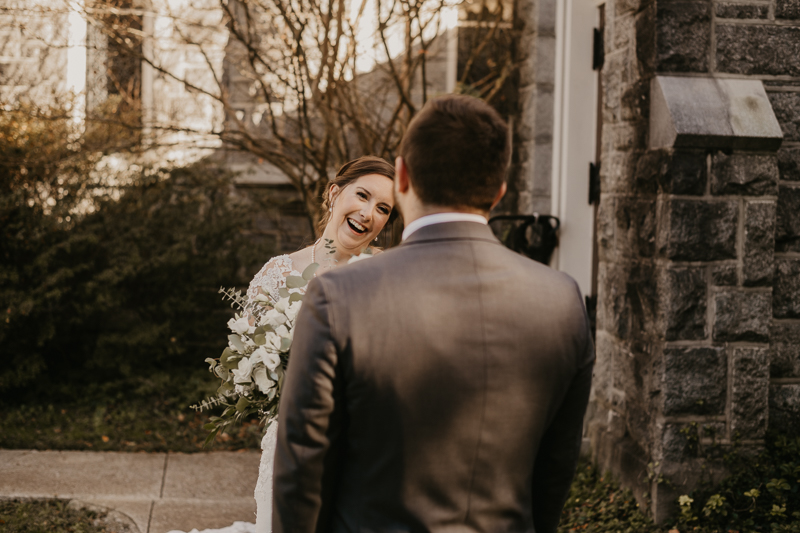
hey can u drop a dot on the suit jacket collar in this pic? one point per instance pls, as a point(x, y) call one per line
point(452, 231)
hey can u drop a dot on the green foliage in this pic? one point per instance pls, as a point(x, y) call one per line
point(152, 418)
point(596, 503)
point(52, 516)
point(762, 493)
point(99, 301)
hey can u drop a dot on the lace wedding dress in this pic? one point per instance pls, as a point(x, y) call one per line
point(269, 280)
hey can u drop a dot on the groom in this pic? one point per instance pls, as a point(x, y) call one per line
point(441, 386)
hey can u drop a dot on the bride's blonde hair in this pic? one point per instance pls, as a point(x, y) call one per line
point(350, 172)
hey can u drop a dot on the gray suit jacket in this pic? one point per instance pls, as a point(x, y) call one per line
point(438, 387)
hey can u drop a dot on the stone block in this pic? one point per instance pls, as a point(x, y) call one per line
point(784, 407)
point(744, 174)
point(623, 6)
point(635, 101)
point(749, 392)
point(695, 381)
point(789, 163)
point(787, 9)
point(685, 172)
point(698, 230)
point(785, 345)
point(679, 442)
point(619, 172)
point(623, 30)
point(759, 243)
point(728, 10)
point(635, 226)
point(758, 49)
point(606, 244)
point(787, 106)
point(682, 36)
point(682, 301)
point(786, 288)
point(787, 231)
point(726, 114)
point(724, 275)
point(742, 316)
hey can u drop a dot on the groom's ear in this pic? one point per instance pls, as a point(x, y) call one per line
point(500, 194)
point(401, 175)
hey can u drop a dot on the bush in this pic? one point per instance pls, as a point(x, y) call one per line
point(100, 304)
point(761, 494)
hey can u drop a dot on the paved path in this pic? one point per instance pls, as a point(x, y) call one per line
point(159, 491)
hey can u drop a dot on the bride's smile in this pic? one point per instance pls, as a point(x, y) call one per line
point(359, 211)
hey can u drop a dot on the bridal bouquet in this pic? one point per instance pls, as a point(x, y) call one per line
point(252, 366)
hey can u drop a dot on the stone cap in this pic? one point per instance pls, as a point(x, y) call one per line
point(704, 112)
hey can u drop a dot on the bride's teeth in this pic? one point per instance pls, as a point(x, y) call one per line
point(358, 226)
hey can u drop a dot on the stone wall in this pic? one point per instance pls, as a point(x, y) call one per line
point(698, 320)
point(530, 176)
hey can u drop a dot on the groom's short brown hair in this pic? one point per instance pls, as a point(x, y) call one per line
point(456, 151)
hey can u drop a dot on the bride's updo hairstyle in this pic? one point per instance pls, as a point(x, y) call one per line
point(457, 152)
point(350, 172)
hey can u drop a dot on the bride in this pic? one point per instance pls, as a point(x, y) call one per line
point(358, 203)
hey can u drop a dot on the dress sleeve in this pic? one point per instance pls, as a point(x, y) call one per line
point(270, 278)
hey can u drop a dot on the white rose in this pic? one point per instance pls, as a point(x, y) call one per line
point(272, 360)
point(240, 325)
point(259, 355)
point(262, 381)
point(275, 318)
point(241, 374)
point(282, 304)
point(274, 340)
point(293, 309)
point(282, 331)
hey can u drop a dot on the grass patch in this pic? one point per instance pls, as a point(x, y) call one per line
point(131, 427)
point(149, 416)
point(51, 516)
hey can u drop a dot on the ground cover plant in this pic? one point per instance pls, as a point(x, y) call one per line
point(51, 516)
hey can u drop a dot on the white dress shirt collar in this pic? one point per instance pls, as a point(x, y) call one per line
point(440, 218)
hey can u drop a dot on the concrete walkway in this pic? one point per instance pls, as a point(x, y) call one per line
point(160, 492)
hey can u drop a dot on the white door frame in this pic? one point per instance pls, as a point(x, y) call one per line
point(574, 137)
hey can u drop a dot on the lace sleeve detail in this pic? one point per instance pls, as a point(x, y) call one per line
point(272, 277)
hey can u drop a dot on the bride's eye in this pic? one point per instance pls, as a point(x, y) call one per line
point(362, 195)
point(384, 210)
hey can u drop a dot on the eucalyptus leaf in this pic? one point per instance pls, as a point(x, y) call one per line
point(237, 343)
point(223, 359)
point(310, 270)
point(286, 343)
point(295, 282)
point(260, 339)
point(242, 404)
point(295, 297)
point(284, 292)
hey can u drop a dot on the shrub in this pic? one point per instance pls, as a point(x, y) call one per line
point(100, 303)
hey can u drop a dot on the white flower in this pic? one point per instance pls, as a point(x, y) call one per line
point(282, 304)
point(274, 340)
point(293, 309)
point(272, 360)
point(262, 381)
point(241, 374)
point(240, 325)
point(282, 331)
point(274, 318)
